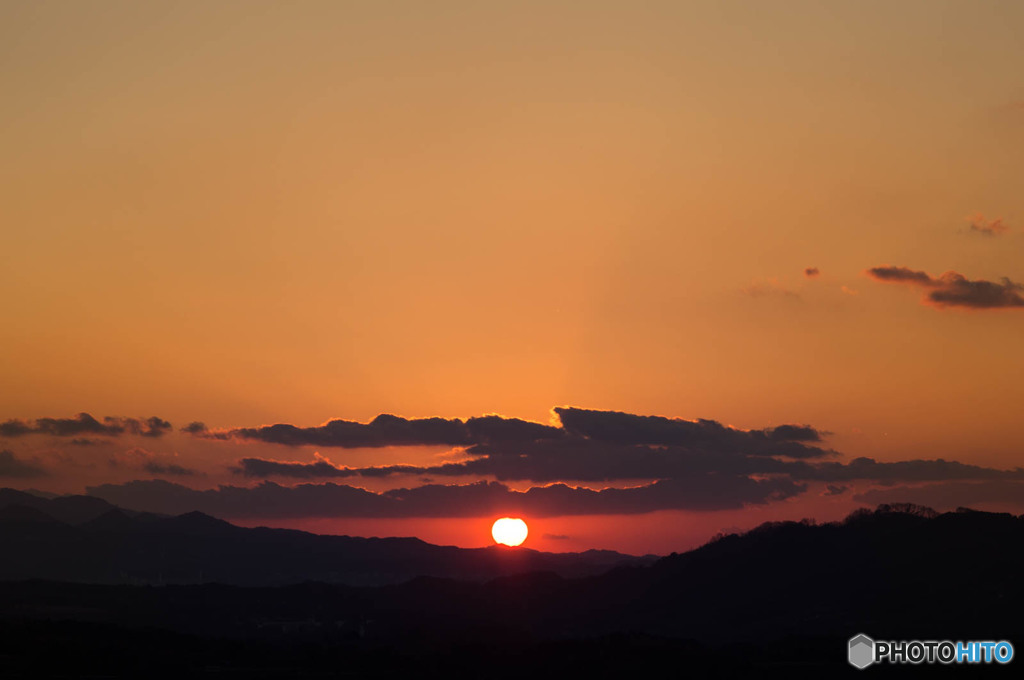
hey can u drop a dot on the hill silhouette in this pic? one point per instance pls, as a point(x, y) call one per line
point(106, 544)
point(73, 509)
point(780, 600)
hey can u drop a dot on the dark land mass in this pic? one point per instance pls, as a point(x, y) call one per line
point(779, 601)
point(88, 540)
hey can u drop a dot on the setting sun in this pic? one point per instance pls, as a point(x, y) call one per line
point(509, 531)
point(300, 296)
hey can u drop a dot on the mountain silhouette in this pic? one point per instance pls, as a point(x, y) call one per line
point(68, 509)
point(778, 601)
point(114, 519)
point(18, 514)
point(120, 546)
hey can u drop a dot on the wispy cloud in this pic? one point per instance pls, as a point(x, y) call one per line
point(980, 225)
point(952, 289)
point(153, 463)
point(770, 287)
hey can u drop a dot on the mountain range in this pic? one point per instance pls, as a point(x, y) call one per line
point(778, 601)
point(86, 539)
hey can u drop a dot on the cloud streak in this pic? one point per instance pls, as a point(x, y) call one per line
point(985, 227)
point(390, 430)
point(321, 468)
point(628, 428)
point(587, 461)
point(952, 289)
point(699, 493)
point(85, 424)
point(948, 496)
point(153, 463)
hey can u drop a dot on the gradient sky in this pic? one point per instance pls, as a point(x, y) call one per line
point(245, 213)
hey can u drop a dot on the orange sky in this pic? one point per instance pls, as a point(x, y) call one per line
point(257, 212)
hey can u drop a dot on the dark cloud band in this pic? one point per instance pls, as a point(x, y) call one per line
point(586, 461)
point(85, 424)
point(495, 435)
point(389, 430)
point(705, 492)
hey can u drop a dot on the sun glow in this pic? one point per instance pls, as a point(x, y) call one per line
point(509, 531)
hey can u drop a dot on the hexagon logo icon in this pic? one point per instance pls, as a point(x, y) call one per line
point(861, 651)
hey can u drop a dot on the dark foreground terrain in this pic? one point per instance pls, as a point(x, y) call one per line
point(779, 601)
point(87, 540)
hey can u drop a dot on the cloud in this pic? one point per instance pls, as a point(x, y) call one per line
point(958, 291)
point(493, 435)
point(88, 442)
point(811, 272)
point(168, 469)
point(577, 459)
point(11, 466)
point(584, 460)
point(917, 470)
point(770, 287)
point(627, 428)
point(390, 430)
point(555, 537)
point(15, 428)
point(672, 463)
point(953, 289)
point(384, 430)
point(496, 429)
point(322, 468)
point(701, 492)
point(85, 424)
point(900, 275)
point(794, 433)
point(658, 453)
point(150, 462)
point(593, 446)
point(950, 495)
point(985, 227)
point(150, 427)
point(198, 429)
point(669, 463)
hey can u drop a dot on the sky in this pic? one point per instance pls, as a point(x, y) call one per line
point(684, 224)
